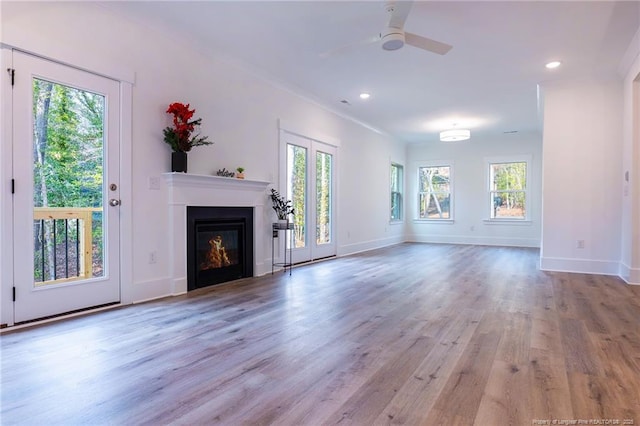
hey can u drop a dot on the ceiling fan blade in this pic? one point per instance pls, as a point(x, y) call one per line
point(350, 46)
point(399, 11)
point(427, 44)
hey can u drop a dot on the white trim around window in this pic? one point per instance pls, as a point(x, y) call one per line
point(445, 193)
point(491, 191)
point(396, 193)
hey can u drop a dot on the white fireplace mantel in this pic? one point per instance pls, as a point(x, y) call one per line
point(214, 191)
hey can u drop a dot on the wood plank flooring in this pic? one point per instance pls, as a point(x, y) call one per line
point(414, 334)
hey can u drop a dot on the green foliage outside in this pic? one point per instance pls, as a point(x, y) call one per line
point(396, 192)
point(297, 184)
point(323, 198)
point(67, 168)
point(509, 183)
point(296, 191)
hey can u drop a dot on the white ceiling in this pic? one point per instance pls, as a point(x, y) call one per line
point(487, 82)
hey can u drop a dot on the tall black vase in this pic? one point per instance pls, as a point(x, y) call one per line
point(179, 162)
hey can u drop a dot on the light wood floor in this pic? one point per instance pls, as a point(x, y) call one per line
point(412, 334)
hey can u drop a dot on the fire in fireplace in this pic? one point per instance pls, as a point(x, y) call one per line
point(219, 245)
point(221, 252)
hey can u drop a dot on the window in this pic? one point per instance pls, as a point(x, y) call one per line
point(434, 192)
point(396, 192)
point(508, 190)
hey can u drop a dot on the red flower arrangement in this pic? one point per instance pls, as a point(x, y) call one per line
point(179, 136)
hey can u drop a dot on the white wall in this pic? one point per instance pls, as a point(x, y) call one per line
point(582, 157)
point(471, 202)
point(630, 262)
point(240, 114)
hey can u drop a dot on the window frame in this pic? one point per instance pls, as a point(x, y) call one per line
point(510, 159)
point(436, 164)
point(400, 192)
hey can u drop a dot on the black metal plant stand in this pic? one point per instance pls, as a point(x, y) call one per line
point(286, 228)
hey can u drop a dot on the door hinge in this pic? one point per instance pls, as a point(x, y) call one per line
point(13, 186)
point(14, 294)
point(12, 74)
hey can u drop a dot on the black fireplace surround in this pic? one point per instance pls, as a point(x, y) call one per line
point(219, 245)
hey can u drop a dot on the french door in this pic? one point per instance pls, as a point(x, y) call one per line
point(310, 184)
point(66, 172)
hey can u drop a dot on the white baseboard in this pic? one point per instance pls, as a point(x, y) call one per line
point(144, 291)
point(348, 249)
point(629, 275)
point(584, 266)
point(479, 241)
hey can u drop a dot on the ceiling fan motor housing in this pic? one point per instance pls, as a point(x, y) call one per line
point(392, 38)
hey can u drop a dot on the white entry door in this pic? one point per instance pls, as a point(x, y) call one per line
point(66, 178)
point(310, 184)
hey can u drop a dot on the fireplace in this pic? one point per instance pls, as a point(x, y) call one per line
point(219, 245)
point(187, 189)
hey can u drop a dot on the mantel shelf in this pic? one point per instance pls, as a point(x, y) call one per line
point(175, 179)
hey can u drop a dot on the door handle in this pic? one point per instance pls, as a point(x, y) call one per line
point(114, 202)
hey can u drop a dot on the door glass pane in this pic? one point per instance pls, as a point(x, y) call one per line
point(323, 198)
point(68, 155)
point(297, 191)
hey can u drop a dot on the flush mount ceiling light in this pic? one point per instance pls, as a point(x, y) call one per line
point(553, 64)
point(364, 95)
point(453, 135)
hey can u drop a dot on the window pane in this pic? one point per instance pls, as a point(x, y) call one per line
point(396, 192)
point(434, 179)
point(396, 203)
point(68, 165)
point(434, 206)
point(508, 190)
point(509, 176)
point(296, 190)
point(508, 204)
point(435, 192)
point(323, 198)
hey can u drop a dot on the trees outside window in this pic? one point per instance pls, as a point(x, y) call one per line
point(434, 192)
point(396, 192)
point(508, 190)
point(68, 135)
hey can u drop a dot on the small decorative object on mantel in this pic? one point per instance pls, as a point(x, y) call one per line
point(179, 136)
point(225, 173)
point(240, 174)
point(282, 207)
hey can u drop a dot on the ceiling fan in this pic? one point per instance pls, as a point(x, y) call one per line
point(393, 36)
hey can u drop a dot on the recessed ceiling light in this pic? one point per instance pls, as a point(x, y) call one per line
point(364, 95)
point(553, 64)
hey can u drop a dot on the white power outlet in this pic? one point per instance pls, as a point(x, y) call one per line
point(153, 257)
point(580, 244)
